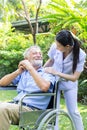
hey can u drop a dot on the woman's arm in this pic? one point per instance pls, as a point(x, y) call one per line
point(49, 63)
point(72, 77)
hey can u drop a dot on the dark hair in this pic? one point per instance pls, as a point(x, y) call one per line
point(66, 37)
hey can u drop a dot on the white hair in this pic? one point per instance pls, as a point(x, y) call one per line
point(27, 51)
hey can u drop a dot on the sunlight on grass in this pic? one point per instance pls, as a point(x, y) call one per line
point(82, 110)
point(7, 95)
point(10, 94)
point(14, 127)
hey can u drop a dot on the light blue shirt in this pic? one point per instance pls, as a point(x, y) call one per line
point(26, 84)
point(65, 65)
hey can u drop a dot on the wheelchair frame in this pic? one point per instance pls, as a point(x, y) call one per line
point(42, 118)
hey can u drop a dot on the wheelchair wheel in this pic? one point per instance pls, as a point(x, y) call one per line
point(56, 120)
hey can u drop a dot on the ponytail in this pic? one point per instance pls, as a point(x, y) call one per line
point(76, 49)
point(65, 38)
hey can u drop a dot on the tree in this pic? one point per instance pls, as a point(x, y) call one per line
point(14, 10)
point(69, 15)
point(27, 17)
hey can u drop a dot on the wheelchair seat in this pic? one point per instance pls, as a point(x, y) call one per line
point(33, 118)
point(42, 119)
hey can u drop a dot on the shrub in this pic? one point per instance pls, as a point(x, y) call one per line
point(9, 61)
point(12, 45)
point(82, 92)
point(44, 41)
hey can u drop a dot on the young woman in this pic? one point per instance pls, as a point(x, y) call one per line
point(67, 61)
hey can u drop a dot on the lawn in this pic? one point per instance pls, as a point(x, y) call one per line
point(9, 94)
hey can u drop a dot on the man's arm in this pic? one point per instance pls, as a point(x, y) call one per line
point(7, 79)
point(40, 81)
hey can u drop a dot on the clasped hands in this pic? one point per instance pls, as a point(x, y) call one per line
point(24, 65)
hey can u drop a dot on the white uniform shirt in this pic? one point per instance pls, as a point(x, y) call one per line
point(65, 66)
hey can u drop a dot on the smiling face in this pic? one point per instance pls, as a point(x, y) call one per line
point(35, 56)
point(64, 41)
point(62, 48)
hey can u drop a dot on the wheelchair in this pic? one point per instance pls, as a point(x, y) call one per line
point(53, 118)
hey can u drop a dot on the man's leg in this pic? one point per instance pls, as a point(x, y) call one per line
point(9, 114)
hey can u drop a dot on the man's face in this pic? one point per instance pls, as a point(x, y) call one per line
point(35, 57)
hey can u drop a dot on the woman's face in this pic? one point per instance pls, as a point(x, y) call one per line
point(62, 48)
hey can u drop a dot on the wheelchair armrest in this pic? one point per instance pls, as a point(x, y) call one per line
point(10, 87)
point(54, 93)
point(34, 94)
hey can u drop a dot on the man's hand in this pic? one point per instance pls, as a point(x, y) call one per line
point(25, 64)
point(20, 69)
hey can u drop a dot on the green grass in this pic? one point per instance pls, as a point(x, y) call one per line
point(82, 110)
point(9, 94)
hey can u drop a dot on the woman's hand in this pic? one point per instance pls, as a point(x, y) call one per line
point(50, 70)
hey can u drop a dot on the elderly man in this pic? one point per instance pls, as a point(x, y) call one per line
point(30, 77)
